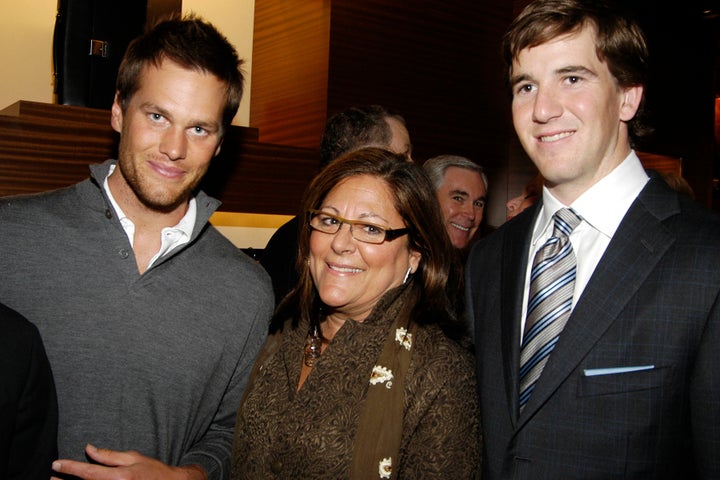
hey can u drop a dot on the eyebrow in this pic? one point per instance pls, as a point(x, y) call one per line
point(575, 69)
point(466, 194)
point(363, 216)
point(515, 79)
point(208, 125)
point(459, 192)
point(561, 71)
point(154, 107)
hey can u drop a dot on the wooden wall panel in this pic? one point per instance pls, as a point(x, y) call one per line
point(436, 62)
point(289, 74)
point(258, 177)
point(44, 148)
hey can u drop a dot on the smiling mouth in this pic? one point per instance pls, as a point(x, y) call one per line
point(167, 172)
point(460, 227)
point(556, 137)
point(344, 269)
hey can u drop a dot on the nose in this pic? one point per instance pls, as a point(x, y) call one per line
point(478, 214)
point(343, 240)
point(468, 209)
point(546, 106)
point(174, 144)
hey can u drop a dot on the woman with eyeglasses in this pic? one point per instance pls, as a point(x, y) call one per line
point(363, 375)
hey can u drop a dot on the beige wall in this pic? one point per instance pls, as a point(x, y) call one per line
point(235, 18)
point(26, 29)
point(26, 50)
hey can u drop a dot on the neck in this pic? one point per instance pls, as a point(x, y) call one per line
point(144, 218)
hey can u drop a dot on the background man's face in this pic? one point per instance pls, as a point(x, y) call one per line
point(462, 198)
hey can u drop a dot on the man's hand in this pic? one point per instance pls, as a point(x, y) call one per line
point(125, 466)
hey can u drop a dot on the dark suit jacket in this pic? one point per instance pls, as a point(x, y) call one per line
point(279, 258)
point(653, 300)
point(28, 407)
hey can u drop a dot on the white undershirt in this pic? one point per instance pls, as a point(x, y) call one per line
point(602, 207)
point(171, 237)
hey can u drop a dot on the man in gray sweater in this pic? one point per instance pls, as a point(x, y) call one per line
point(150, 318)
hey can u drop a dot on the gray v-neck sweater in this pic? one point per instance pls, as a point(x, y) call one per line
point(154, 362)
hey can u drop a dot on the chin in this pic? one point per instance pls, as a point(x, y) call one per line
point(332, 298)
point(164, 204)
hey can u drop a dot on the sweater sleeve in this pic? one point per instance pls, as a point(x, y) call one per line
point(212, 451)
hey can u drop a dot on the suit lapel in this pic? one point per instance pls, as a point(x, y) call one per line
point(639, 243)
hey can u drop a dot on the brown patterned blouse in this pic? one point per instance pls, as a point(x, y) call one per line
point(310, 434)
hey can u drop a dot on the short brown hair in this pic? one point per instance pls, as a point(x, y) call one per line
point(619, 40)
point(191, 43)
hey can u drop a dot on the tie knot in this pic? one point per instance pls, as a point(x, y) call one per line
point(565, 221)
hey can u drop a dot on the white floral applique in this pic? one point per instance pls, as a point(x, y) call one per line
point(385, 469)
point(403, 338)
point(381, 375)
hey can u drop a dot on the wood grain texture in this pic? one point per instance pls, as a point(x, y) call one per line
point(436, 62)
point(290, 71)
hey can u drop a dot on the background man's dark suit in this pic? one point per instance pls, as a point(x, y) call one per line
point(28, 407)
point(652, 300)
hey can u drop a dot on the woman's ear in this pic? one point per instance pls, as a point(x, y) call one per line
point(414, 260)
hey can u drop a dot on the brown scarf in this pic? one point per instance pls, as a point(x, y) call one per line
point(377, 442)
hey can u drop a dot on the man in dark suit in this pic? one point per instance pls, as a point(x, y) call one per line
point(611, 371)
point(28, 405)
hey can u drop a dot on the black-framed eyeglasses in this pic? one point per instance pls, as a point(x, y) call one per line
point(363, 231)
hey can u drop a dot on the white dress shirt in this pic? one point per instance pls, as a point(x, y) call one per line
point(602, 207)
point(171, 237)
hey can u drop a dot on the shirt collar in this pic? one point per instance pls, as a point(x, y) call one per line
point(184, 227)
point(106, 187)
point(187, 223)
point(603, 205)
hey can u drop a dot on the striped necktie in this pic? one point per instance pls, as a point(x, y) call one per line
point(552, 280)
